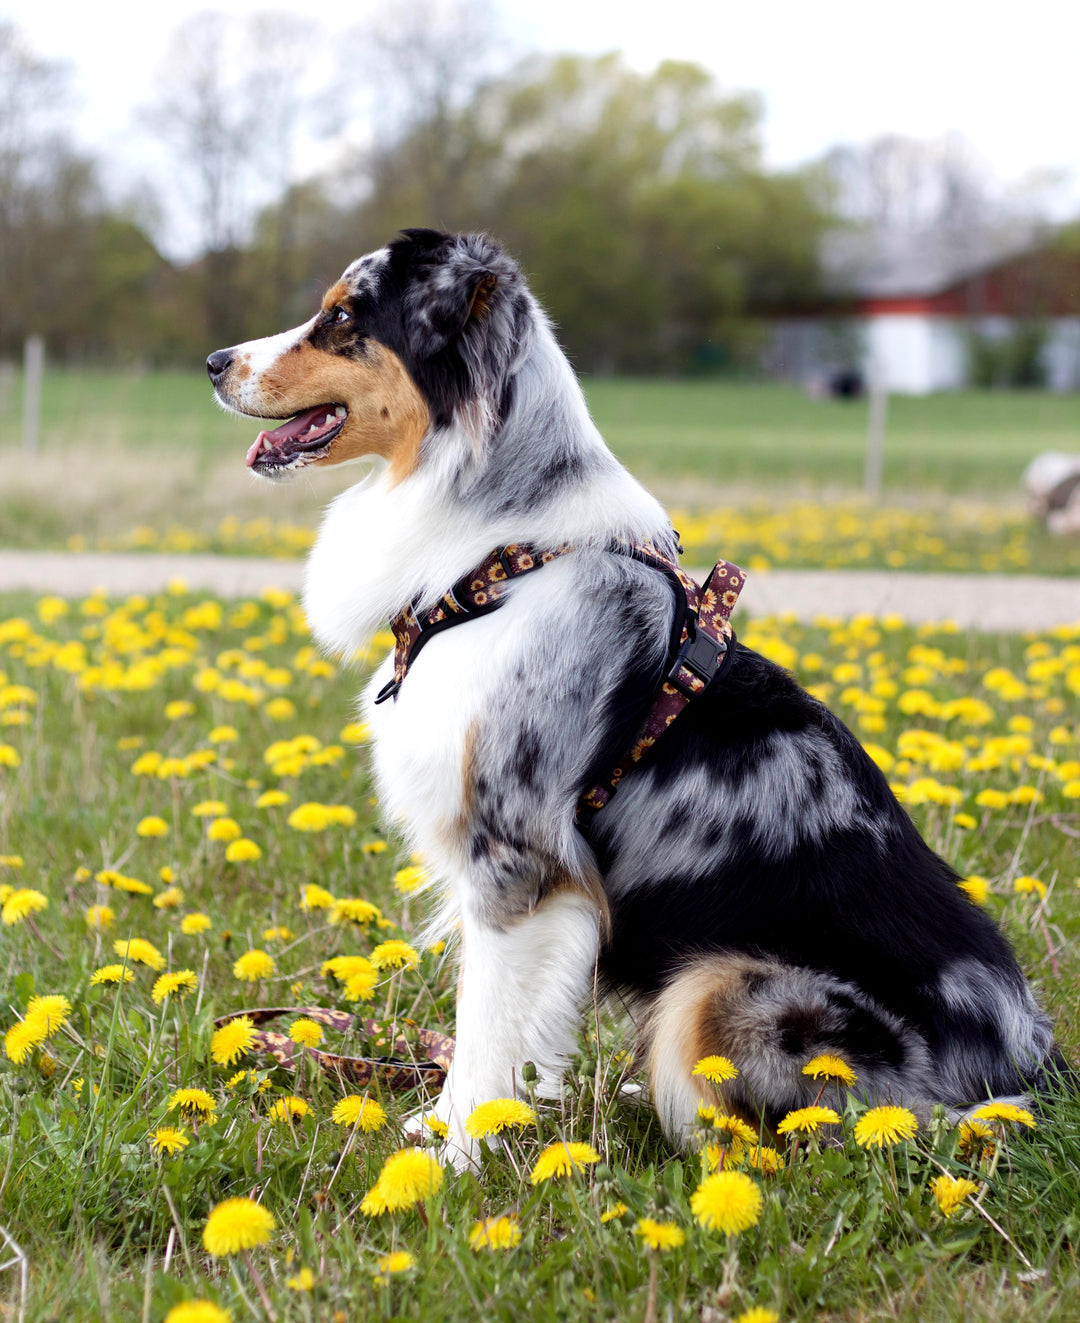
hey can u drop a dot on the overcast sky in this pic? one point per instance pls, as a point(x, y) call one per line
point(837, 70)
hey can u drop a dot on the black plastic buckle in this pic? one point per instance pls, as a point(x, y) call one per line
point(505, 563)
point(389, 690)
point(700, 654)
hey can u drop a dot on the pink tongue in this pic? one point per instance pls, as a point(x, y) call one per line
point(290, 431)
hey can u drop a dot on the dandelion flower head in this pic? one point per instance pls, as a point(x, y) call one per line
point(830, 1068)
point(715, 1069)
point(882, 1126)
point(495, 1233)
point(232, 1040)
point(562, 1159)
point(951, 1191)
point(407, 1177)
point(659, 1235)
point(492, 1118)
point(728, 1202)
point(807, 1120)
point(364, 1113)
point(237, 1224)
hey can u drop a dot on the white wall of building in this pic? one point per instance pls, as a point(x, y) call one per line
point(915, 353)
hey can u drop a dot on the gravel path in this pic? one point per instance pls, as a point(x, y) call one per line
point(1009, 603)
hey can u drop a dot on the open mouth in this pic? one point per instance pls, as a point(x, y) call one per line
point(299, 441)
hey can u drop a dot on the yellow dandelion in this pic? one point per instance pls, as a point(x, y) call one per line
point(191, 924)
point(278, 934)
point(178, 708)
point(492, 1118)
point(304, 1280)
point(715, 1069)
point(242, 851)
point(660, 1236)
point(736, 1128)
point(314, 897)
point(21, 903)
point(976, 1135)
point(309, 817)
point(495, 1233)
point(759, 1314)
point(197, 1311)
point(210, 808)
point(111, 974)
point(615, 1211)
point(562, 1159)
point(728, 1202)
point(354, 910)
point(168, 1139)
point(224, 829)
point(374, 847)
point(100, 917)
point(289, 1108)
point(363, 1113)
point(765, 1159)
point(951, 1191)
point(195, 1102)
point(174, 985)
point(236, 1224)
point(398, 1261)
point(394, 955)
point(152, 826)
point(232, 1040)
point(224, 735)
point(357, 732)
point(12, 861)
point(140, 951)
point(977, 889)
point(1029, 886)
point(407, 1177)
point(21, 1039)
point(51, 1010)
point(411, 878)
point(271, 799)
point(882, 1126)
point(253, 966)
point(169, 899)
point(830, 1068)
point(1006, 1112)
point(807, 1120)
point(308, 1033)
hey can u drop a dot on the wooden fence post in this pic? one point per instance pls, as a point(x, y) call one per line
point(33, 377)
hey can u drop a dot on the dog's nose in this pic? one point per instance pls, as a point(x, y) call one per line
point(219, 363)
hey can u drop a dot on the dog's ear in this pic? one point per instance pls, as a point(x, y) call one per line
point(452, 289)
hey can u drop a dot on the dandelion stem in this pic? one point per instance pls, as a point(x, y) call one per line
point(260, 1286)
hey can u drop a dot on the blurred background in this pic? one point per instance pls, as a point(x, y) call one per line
point(807, 259)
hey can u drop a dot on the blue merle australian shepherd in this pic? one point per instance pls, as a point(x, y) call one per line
point(753, 889)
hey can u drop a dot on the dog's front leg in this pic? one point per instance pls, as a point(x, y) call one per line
point(522, 987)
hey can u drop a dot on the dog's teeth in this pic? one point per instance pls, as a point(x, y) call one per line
point(313, 428)
point(339, 412)
point(267, 444)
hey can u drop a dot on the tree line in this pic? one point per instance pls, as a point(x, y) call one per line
point(638, 203)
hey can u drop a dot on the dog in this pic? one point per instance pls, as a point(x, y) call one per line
point(753, 890)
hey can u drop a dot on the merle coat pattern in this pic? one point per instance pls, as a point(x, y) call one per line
point(753, 889)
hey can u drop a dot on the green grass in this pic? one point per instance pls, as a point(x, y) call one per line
point(112, 1232)
point(124, 452)
point(970, 442)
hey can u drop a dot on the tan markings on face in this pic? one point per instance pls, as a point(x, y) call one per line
point(242, 370)
point(334, 295)
point(387, 413)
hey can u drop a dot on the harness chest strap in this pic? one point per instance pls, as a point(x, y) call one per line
point(705, 641)
point(706, 648)
point(475, 594)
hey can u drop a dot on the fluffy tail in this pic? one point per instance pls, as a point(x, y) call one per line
point(769, 1019)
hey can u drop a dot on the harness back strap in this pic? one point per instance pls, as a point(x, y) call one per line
point(477, 593)
point(705, 648)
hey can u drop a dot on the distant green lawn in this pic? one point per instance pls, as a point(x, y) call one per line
point(972, 442)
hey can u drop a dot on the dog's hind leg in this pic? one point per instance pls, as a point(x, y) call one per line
point(520, 996)
point(770, 1019)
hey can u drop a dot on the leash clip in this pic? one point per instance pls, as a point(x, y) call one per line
point(700, 655)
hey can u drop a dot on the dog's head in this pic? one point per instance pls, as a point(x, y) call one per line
point(413, 338)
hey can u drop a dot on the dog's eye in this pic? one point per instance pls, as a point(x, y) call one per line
point(339, 316)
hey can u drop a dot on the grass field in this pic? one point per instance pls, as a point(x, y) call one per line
point(143, 743)
point(758, 473)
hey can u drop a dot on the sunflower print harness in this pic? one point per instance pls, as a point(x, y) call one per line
point(703, 642)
